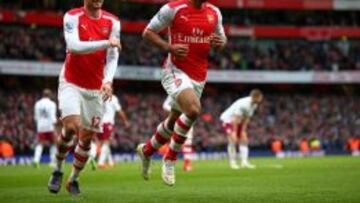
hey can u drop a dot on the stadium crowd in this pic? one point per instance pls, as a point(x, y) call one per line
point(47, 44)
point(290, 118)
point(126, 10)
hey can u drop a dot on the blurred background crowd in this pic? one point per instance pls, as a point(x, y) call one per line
point(290, 118)
point(318, 40)
point(47, 44)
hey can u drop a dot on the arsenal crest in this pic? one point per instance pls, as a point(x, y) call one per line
point(210, 18)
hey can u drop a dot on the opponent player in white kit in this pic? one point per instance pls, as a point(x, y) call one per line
point(112, 107)
point(92, 38)
point(195, 27)
point(187, 149)
point(45, 118)
point(235, 121)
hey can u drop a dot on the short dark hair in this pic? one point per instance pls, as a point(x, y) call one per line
point(256, 93)
point(47, 93)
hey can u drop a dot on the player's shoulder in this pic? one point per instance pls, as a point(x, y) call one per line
point(212, 7)
point(109, 15)
point(75, 11)
point(177, 3)
point(242, 100)
point(115, 98)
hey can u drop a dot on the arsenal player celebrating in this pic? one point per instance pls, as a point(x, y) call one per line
point(93, 41)
point(195, 27)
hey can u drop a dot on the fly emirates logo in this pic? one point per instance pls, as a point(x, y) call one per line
point(197, 37)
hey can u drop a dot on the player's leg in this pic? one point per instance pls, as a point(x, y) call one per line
point(110, 157)
point(92, 157)
point(81, 156)
point(71, 126)
point(91, 114)
point(38, 151)
point(231, 148)
point(162, 136)
point(52, 150)
point(189, 104)
point(104, 141)
point(103, 154)
point(187, 151)
point(69, 104)
point(244, 152)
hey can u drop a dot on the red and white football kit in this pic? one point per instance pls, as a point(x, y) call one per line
point(193, 27)
point(90, 62)
point(108, 120)
point(241, 107)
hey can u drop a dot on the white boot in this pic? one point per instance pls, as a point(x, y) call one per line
point(145, 162)
point(168, 172)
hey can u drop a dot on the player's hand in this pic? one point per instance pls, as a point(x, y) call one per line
point(179, 50)
point(115, 43)
point(217, 41)
point(106, 91)
point(127, 125)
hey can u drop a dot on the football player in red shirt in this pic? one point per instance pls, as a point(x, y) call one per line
point(92, 38)
point(195, 26)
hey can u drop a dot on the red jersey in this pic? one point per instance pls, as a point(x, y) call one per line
point(191, 26)
point(90, 61)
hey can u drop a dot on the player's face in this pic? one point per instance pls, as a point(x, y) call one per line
point(94, 4)
point(258, 100)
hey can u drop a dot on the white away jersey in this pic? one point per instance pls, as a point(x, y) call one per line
point(110, 108)
point(45, 115)
point(242, 107)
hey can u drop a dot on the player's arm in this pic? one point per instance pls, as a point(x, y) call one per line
point(53, 114)
point(36, 112)
point(159, 22)
point(218, 40)
point(75, 45)
point(122, 116)
point(120, 113)
point(112, 57)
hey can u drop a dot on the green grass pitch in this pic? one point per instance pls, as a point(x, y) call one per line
point(330, 179)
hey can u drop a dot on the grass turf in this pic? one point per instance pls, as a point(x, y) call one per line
point(330, 179)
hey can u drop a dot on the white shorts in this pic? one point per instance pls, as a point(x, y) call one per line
point(175, 81)
point(88, 104)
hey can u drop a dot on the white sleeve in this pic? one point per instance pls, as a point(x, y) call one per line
point(112, 55)
point(73, 43)
point(36, 112)
point(116, 103)
point(53, 113)
point(219, 30)
point(162, 19)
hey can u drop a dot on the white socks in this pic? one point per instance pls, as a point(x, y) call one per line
point(93, 151)
point(231, 148)
point(38, 153)
point(104, 154)
point(52, 154)
point(244, 153)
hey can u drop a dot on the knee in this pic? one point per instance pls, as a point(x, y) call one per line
point(86, 136)
point(71, 128)
point(194, 110)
